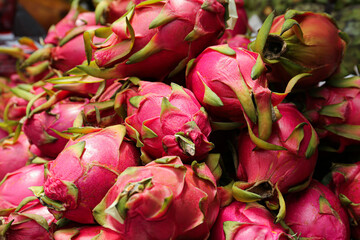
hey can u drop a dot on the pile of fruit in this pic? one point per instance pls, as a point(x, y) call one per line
point(160, 120)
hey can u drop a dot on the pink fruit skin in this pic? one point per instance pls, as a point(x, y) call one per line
point(105, 156)
point(117, 8)
point(24, 227)
point(222, 74)
point(3, 134)
point(309, 215)
point(321, 51)
point(169, 207)
point(286, 168)
point(347, 103)
point(168, 39)
point(21, 180)
point(345, 184)
point(87, 233)
point(14, 156)
point(240, 27)
point(69, 22)
point(184, 116)
point(238, 41)
point(17, 108)
point(256, 223)
point(61, 117)
point(71, 53)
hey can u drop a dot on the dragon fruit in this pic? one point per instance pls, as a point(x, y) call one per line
point(237, 41)
point(83, 172)
point(73, 19)
point(286, 166)
point(39, 128)
point(83, 86)
point(316, 213)
point(220, 79)
point(108, 11)
point(72, 53)
point(29, 222)
point(240, 27)
point(3, 133)
point(14, 155)
point(168, 121)
point(334, 111)
point(161, 35)
point(68, 54)
point(345, 182)
point(19, 180)
point(298, 42)
point(86, 233)
point(245, 221)
point(161, 200)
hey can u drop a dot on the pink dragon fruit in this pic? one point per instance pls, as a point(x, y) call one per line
point(3, 133)
point(240, 27)
point(14, 155)
point(161, 35)
point(334, 111)
point(108, 11)
point(68, 54)
point(168, 121)
point(16, 108)
point(162, 200)
point(83, 86)
point(316, 213)
point(243, 221)
point(29, 222)
point(14, 186)
point(87, 233)
point(345, 182)
point(71, 20)
point(39, 127)
point(299, 42)
point(220, 79)
point(72, 53)
point(286, 166)
point(84, 171)
point(238, 41)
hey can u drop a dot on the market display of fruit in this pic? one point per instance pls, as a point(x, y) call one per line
point(174, 119)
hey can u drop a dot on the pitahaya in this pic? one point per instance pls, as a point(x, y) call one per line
point(84, 171)
point(299, 42)
point(220, 78)
point(14, 155)
point(244, 221)
point(161, 200)
point(14, 187)
point(161, 35)
point(3, 133)
point(73, 19)
point(286, 166)
point(237, 41)
point(68, 54)
point(84, 86)
point(345, 183)
point(39, 127)
point(241, 25)
point(108, 11)
point(333, 109)
point(316, 213)
point(29, 222)
point(87, 233)
point(168, 121)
